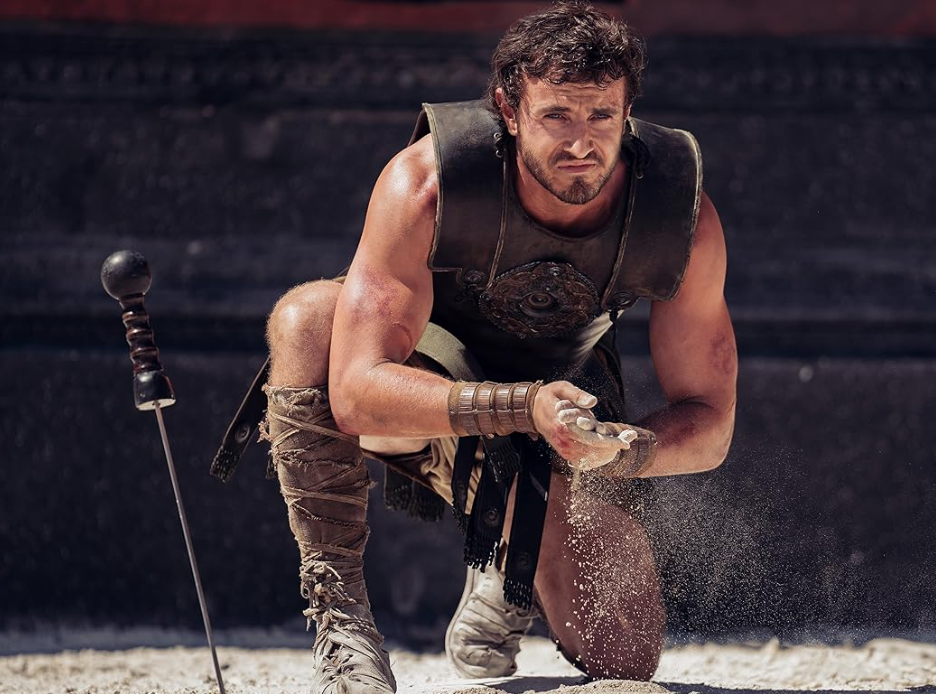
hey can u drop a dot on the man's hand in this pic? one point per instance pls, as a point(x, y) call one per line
point(562, 414)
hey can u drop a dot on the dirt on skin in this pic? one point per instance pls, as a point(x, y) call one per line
point(889, 665)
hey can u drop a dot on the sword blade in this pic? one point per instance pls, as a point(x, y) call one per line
point(188, 543)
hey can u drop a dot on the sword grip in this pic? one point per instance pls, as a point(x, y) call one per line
point(126, 277)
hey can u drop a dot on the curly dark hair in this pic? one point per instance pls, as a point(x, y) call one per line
point(569, 42)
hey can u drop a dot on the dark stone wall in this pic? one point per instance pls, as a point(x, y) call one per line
point(241, 164)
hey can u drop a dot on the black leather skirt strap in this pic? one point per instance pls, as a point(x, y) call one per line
point(243, 427)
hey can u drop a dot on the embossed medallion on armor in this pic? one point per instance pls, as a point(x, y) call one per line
point(540, 299)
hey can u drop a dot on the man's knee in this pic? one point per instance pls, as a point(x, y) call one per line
point(640, 667)
point(306, 309)
point(299, 333)
point(605, 645)
point(628, 654)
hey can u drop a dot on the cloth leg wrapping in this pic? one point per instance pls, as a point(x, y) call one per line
point(324, 481)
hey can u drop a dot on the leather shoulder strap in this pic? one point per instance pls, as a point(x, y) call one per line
point(469, 215)
point(662, 220)
point(450, 353)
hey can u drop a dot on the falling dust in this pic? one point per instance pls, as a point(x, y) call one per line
point(615, 616)
point(615, 612)
point(714, 572)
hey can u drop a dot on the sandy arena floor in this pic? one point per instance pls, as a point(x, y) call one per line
point(881, 665)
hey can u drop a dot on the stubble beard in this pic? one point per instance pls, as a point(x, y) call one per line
point(579, 192)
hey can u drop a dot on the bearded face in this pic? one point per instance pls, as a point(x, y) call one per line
point(572, 180)
point(569, 136)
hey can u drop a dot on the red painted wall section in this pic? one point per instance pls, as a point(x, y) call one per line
point(732, 17)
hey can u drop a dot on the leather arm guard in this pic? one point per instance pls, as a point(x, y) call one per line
point(492, 409)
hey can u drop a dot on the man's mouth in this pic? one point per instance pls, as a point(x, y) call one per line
point(576, 166)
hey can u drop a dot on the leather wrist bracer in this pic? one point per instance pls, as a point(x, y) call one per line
point(492, 409)
point(636, 459)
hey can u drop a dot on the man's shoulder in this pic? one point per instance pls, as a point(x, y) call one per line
point(411, 175)
point(402, 210)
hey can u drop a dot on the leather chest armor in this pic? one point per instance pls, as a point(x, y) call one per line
point(530, 303)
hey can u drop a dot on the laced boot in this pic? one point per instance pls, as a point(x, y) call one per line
point(324, 481)
point(483, 638)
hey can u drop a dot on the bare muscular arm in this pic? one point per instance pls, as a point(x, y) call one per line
point(384, 307)
point(693, 348)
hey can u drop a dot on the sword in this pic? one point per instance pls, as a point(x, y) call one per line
point(126, 277)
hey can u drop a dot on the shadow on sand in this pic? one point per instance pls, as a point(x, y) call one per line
point(707, 689)
point(579, 685)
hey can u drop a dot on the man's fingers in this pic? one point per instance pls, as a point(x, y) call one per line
point(610, 432)
point(586, 400)
point(578, 396)
point(593, 438)
point(577, 416)
point(622, 431)
point(627, 436)
point(589, 438)
point(572, 415)
point(584, 419)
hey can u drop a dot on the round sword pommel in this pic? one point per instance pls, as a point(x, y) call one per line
point(126, 277)
point(125, 273)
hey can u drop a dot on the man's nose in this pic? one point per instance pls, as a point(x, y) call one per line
point(580, 144)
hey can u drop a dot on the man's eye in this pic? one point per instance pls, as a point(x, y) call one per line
point(555, 116)
point(601, 116)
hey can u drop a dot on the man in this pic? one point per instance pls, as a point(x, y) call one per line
point(506, 242)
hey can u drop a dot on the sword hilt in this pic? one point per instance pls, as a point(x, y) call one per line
point(126, 277)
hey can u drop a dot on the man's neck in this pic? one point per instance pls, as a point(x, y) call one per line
point(565, 218)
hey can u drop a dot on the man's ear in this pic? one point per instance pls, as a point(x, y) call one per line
point(507, 111)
